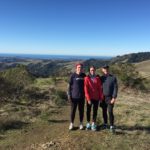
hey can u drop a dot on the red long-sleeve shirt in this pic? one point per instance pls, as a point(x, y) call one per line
point(93, 88)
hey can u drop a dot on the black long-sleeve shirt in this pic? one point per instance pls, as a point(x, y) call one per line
point(110, 86)
point(76, 86)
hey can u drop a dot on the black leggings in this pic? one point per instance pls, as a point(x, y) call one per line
point(107, 106)
point(74, 104)
point(94, 103)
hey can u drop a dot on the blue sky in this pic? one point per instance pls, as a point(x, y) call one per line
point(74, 27)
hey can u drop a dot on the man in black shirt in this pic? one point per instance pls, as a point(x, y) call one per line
point(76, 95)
point(110, 90)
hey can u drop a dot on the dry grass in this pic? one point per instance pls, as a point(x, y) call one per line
point(47, 126)
point(144, 68)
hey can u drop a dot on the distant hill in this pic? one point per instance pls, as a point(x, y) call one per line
point(143, 68)
point(132, 58)
point(38, 67)
point(49, 67)
point(97, 63)
point(46, 68)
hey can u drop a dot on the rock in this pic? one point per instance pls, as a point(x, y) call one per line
point(48, 145)
point(4, 114)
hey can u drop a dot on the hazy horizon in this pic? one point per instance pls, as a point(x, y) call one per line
point(55, 57)
point(11, 53)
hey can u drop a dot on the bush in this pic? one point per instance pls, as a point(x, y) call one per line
point(128, 76)
point(13, 81)
point(34, 93)
point(58, 97)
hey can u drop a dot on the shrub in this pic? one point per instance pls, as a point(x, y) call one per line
point(58, 97)
point(128, 76)
point(13, 82)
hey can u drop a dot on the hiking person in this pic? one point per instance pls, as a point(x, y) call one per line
point(76, 95)
point(110, 90)
point(93, 94)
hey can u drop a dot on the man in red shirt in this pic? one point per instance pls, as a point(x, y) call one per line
point(93, 94)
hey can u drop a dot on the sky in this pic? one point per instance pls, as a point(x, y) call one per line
point(75, 27)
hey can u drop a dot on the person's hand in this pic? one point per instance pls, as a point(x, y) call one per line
point(69, 98)
point(100, 103)
point(112, 101)
point(103, 98)
point(89, 102)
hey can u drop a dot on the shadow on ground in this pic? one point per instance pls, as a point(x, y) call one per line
point(57, 121)
point(133, 128)
point(9, 125)
point(120, 130)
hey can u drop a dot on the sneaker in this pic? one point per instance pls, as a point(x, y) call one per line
point(112, 129)
point(81, 126)
point(94, 127)
point(105, 126)
point(71, 126)
point(88, 126)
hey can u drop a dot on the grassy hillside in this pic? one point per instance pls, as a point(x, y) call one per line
point(34, 114)
point(132, 58)
point(44, 125)
point(39, 67)
point(144, 68)
point(14, 81)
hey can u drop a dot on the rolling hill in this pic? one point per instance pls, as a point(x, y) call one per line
point(51, 67)
point(144, 68)
point(132, 58)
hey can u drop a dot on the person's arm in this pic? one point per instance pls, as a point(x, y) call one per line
point(100, 89)
point(115, 91)
point(86, 89)
point(70, 87)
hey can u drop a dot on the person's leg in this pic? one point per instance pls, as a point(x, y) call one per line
point(73, 110)
point(88, 116)
point(81, 109)
point(81, 112)
point(72, 115)
point(95, 108)
point(104, 111)
point(111, 115)
point(88, 112)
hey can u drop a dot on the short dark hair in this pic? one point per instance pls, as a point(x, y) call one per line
point(105, 66)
